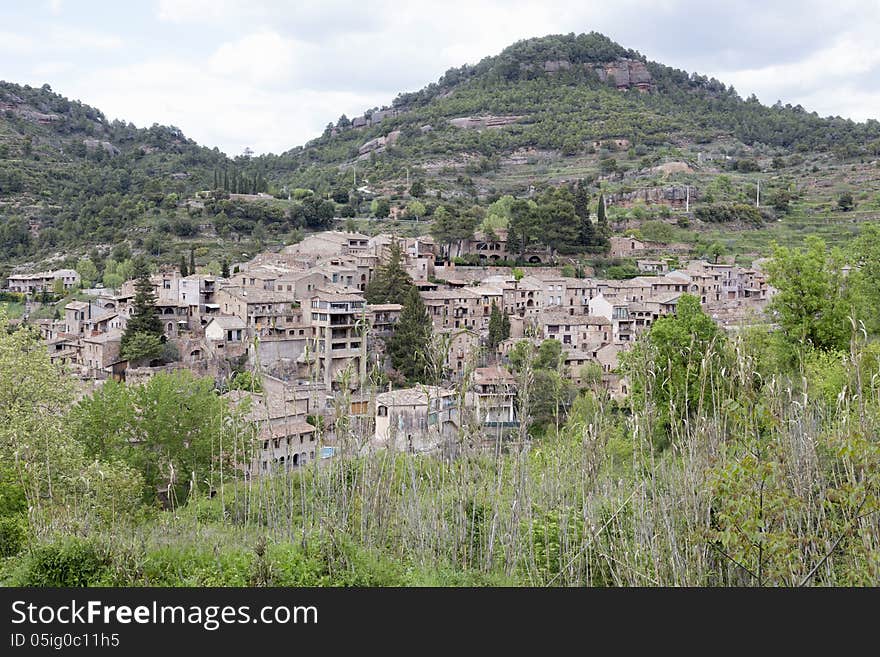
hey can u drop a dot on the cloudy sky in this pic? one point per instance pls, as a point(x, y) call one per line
point(271, 74)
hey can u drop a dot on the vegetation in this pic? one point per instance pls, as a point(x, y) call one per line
point(143, 337)
point(391, 283)
point(410, 344)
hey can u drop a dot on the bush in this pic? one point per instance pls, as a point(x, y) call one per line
point(74, 562)
point(727, 213)
point(13, 534)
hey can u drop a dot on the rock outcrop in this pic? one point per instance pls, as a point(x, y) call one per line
point(379, 143)
point(625, 74)
point(674, 196)
point(483, 121)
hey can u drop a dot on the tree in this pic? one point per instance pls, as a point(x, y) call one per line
point(416, 209)
point(183, 269)
point(845, 202)
point(43, 470)
point(450, 227)
point(601, 219)
point(168, 429)
point(582, 201)
point(58, 287)
point(380, 207)
point(781, 200)
point(408, 346)
point(716, 250)
point(813, 298)
point(669, 367)
point(558, 222)
point(258, 235)
point(417, 189)
point(390, 283)
point(499, 329)
point(88, 272)
point(224, 268)
point(522, 227)
point(142, 347)
point(192, 260)
point(144, 319)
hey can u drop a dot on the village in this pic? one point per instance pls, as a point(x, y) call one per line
point(298, 319)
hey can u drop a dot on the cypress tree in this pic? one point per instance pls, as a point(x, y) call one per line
point(408, 347)
point(582, 201)
point(192, 260)
point(603, 229)
point(496, 327)
point(183, 270)
point(224, 268)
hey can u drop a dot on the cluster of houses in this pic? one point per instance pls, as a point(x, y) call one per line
point(299, 318)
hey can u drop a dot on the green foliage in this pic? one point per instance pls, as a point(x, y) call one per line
point(380, 207)
point(408, 347)
point(246, 380)
point(13, 535)
point(142, 347)
point(845, 202)
point(143, 331)
point(68, 563)
point(390, 283)
point(739, 212)
point(684, 350)
point(166, 429)
point(812, 302)
point(499, 327)
point(87, 271)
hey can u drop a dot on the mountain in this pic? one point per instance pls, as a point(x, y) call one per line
point(543, 112)
point(564, 95)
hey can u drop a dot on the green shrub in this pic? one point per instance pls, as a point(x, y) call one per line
point(13, 534)
point(73, 562)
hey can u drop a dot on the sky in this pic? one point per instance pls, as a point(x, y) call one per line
point(269, 75)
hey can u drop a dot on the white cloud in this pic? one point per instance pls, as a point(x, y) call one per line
point(57, 38)
point(261, 58)
point(214, 109)
point(55, 7)
point(271, 74)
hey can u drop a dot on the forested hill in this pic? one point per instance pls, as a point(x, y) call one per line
point(544, 111)
point(561, 93)
point(67, 174)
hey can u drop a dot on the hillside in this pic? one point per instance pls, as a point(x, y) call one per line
point(543, 112)
point(565, 96)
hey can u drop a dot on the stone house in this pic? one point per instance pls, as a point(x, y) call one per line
point(416, 420)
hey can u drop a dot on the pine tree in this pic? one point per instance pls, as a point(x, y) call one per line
point(408, 347)
point(143, 321)
point(505, 326)
point(183, 270)
point(192, 260)
point(391, 283)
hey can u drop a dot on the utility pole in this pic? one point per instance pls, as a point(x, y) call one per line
point(687, 198)
point(407, 177)
point(758, 195)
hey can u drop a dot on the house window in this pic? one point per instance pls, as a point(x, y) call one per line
point(382, 411)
